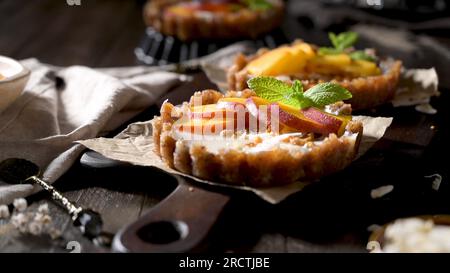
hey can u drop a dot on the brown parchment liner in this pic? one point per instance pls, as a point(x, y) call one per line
point(135, 145)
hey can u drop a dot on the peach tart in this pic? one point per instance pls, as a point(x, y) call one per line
point(213, 19)
point(240, 138)
point(370, 80)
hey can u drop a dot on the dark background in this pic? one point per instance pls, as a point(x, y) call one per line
point(332, 215)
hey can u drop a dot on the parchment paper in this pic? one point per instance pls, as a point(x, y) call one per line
point(135, 145)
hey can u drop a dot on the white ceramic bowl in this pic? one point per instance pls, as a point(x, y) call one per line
point(15, 78)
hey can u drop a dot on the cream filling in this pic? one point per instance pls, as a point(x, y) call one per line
point(251, 142)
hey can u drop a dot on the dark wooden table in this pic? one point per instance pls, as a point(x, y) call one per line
point(329, 216)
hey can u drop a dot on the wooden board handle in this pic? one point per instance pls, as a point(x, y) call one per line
point(179, 223)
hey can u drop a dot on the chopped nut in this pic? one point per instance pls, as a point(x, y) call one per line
point(4, 212)
point(20, 204)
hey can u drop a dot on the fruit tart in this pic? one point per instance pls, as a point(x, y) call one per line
point(269, 135)
point(371, 80)
point(217, 19)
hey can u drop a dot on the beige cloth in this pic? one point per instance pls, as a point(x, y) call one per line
point(44, 123)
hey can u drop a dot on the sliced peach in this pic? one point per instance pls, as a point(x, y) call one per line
point(205, 126)
point(285, 60)
point(209, 111)
point(296, 120)
point(336, 60)
point(306, 48)
point(342, 64)
point(231, 103)
point(278, 116)
point(362, 68)
point(330, 123)
point(253, 105)
point(306, 120)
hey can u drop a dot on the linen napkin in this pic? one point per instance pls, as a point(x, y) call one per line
point(43, 124)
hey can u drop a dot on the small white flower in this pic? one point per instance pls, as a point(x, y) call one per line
point(20, 204)
point(20, 221)
point(36, 228)
point(4, 212)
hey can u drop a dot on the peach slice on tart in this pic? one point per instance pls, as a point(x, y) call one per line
point(207, 127)
point(209, 111)
point(236, 104)
point(303, 120)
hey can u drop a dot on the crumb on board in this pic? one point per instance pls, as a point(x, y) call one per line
point(426, 108)
point(381, 191)
point(436, 183)
point(373, 228)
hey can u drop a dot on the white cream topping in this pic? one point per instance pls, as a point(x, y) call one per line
point(250, 142)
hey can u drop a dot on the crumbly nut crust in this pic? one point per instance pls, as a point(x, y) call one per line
point(266, 168)
point(241, 24)
point(367, 91)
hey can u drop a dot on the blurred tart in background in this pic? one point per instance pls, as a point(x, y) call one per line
point(371, 80)
point(213, 19)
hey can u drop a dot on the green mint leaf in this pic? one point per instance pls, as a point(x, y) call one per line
point(328, 51)
point(302, 101)
point(333, 38)
point(257, 5)
point(297, 87)
point(269, 88)
point(361, 55)
point(275, 90)
point(343, 40)
point(297, 98)
point(327, 93)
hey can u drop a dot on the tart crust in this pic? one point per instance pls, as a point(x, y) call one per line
point(244, 23)
point(367, 92)
point(272, 167)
